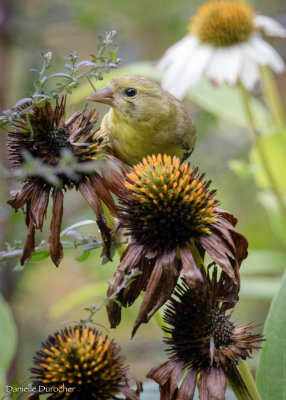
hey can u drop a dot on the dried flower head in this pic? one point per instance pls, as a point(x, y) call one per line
point(45, 137)
point(226, 43)
point(79, 364)
point(167, 209)
point(202, 339)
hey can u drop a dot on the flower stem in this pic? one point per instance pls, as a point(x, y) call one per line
point(241, 382)
point(256, 138)
point(196, 255)
point(272, 97)
point(247, 377)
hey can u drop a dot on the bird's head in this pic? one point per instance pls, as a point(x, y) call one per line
point(134, 97)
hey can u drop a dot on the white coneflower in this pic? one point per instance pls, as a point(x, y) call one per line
point(225, 44)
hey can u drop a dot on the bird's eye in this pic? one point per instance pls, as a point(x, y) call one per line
point(130, 92)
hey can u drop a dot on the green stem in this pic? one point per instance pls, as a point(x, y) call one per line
point(272, 97)
point(247, 377)
point(196, 255)
point(256, 138)
point(241, 382)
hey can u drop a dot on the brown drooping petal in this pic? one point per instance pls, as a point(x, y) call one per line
point(128, 393)
point(113, 172)
point(212, 384)
point(190, 270)
point(36, 208)
point(168, 376)
point(22, 196)
point(56, 248)
point(240, 242)
point(39, 204)
point(98, 183)
point(29, 245)
point(188, 386)
point(160, 287)
point(89, 192)
point(130, 259)
point(131, 256)
point(219, 252)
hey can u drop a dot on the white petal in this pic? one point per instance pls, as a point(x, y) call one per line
point(269, 26)
point(192, 71)
point(175, 52)
point(249, 74)
point(175, 71)
point(267, 53)
point(225, 65)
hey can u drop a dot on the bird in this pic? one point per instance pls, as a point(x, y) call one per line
point(144, 119)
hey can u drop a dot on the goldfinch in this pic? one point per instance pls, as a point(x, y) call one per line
point(144, 119)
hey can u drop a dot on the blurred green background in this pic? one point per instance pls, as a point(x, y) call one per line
point(41, 296)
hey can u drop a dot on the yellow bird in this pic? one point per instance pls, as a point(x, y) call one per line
point(144, 119)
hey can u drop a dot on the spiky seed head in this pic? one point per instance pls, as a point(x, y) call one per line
point(166, 203)
point(81, 359)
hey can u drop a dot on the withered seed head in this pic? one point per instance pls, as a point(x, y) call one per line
point(45, 137)
point(48, 135)
point(202, 334)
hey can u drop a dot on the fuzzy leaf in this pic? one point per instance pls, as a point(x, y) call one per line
point(78, 224)
point(271, 372)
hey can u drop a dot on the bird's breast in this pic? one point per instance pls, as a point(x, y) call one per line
point(133, 141)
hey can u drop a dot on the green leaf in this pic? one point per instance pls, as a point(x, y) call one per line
point(274, 148)
point(76, 297)
point(40, 255)
point(263, 288)
point(273, 209)
point(77, 224)
point(8, 341)
point(271, 371)
point(261, 262)
point(84, 256)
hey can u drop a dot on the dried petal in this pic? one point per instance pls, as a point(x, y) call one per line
point(188, 386)
point(190, 270)
point(212, 384)
point(168, 376)
point(89, 192)
point(56, 248)
point(29, 246)
point(164, 275)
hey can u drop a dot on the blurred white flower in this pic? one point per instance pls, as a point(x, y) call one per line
point(225, 44)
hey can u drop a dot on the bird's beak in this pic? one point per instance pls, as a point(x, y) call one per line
point(103, 95)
